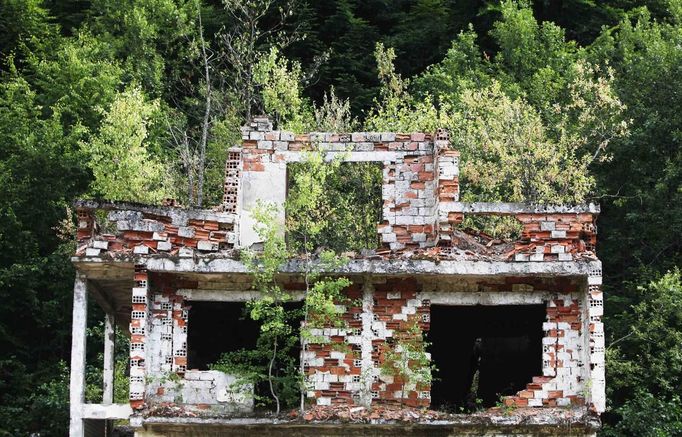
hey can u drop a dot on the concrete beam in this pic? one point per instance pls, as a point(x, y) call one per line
point(295, 156)
point(406, 267)
point(178, 215)
point(502, 208)
point(108, 371)
point(229, 295)
point(101, 411)
point(482, 298)
point(78, 344)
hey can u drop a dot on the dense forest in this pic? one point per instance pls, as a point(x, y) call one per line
point(140, 99)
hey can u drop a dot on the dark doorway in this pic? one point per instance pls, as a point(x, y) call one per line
point(483, 352)
point(217, 327)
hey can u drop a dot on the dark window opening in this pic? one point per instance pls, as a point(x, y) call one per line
point(483, 352)
point(351, 207)
point(217, 327)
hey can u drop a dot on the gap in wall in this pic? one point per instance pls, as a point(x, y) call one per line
point(217, 327)
point(483, 352)
point(351, 207)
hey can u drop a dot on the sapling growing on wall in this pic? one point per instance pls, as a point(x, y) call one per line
point(309, 210)
point(407, 361)
point(272, 354)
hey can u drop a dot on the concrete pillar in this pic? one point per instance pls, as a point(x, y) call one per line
point(109, 345)
point(78, 337)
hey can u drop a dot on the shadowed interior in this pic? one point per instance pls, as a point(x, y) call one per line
point(483, 352)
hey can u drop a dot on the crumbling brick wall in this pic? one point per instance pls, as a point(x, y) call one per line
point(158, 329)
point(420, 193)
point(146, 230)
point(344, 366)
point(418, 169)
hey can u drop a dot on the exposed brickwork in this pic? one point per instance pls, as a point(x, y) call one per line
point(233, 169)
point(158, 342)
point(413, 180)
point(139, 328)
point(420, 217)
point(165, 230)
point(562, 365)
point(555, 237)
point(396, 306)
point(334, 363)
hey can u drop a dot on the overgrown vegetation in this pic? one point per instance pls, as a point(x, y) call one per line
point(406, 360)
point(547, 102)
point(308, 218)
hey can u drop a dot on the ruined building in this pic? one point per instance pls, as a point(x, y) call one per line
point(523, 316)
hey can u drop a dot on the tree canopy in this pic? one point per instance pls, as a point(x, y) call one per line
point(566, 101)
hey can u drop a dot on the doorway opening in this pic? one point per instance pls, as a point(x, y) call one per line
point(483, 352)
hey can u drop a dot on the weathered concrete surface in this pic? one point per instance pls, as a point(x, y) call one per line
point(548, 422)
point(179, 216)
point(215, 391)
point(78, 345)
point(218, 264)
point(268, 188)
point(505, 208)
point(111, 411)
point(324, 430)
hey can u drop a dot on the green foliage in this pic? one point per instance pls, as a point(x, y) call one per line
point(122, 165)
point(529, 123)
point(509, 154)
point(334, 114)
point(345, 204)
point(271, 361)
point(407, 360)
point(279, 81)
point(79, 79)
point(224, 134)
point(645, 363)
point(397, 111)
point(642, 182)
point(148, 37)
point(25, 28)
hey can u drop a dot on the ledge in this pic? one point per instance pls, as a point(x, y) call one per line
point(218, 264)
point(177, 214)
point(106, 411)
point(550, 421)
point(501, 208)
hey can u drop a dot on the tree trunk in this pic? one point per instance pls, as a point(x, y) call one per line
point(207, 116)
point(272, 362)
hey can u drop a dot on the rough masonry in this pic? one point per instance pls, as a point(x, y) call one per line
point(145, 264)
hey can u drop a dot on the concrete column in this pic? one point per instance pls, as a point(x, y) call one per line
point(109, 345)
point(78, 336)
